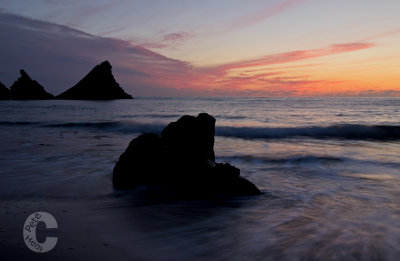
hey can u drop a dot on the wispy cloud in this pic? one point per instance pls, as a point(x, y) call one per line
point(239, 77)
point(112, 31)
point(263, 14)
point(170, 40)
point(80, 10)
point(153, 45)
point(384, 34)
point(177, 37)
point(297, 55)
point(59, 56)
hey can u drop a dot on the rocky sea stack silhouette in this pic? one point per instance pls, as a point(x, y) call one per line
point(27, 89)
point(182, 159)
point(98, 84)
point(4, 92)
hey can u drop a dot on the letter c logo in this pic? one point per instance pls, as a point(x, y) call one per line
point(29, 232)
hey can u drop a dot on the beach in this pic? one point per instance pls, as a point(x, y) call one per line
point(327, 169)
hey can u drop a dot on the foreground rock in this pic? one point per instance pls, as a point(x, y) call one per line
point(182, 158)
point(4, 92)
point(98, 84)
point(27, 89)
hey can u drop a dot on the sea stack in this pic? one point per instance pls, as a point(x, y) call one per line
point(98, 84)
point(4, 92)
point(27, 89)
point(182, 160)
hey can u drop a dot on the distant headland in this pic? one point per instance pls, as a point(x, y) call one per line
point(26, 89)
point(98, 84)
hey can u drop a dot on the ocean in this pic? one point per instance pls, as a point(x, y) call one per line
point(328, 169)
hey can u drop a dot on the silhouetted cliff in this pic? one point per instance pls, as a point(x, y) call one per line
point(98, 84)
point(4, 92)
point(27, 89)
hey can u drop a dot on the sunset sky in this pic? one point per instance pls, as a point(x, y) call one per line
point(207, 48)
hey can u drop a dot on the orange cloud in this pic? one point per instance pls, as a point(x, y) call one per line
point(262, 76)
point(298, 55)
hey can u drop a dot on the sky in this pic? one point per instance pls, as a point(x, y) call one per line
point(268, 48)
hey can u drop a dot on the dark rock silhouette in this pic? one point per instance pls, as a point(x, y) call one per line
point(191, 137)
point(27, 89)
point(4, 92)
point(98, 84)
point(182, 158)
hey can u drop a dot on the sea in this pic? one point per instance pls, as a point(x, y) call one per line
point(328, 169)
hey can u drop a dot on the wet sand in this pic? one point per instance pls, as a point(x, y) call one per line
point(78, 237)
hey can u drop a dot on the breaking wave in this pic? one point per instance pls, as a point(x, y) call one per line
point(344, 131)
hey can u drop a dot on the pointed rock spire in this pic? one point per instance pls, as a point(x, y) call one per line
point(98, 84)
point(27, 89)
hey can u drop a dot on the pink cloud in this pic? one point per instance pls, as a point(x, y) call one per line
point(59, 56)
point(170, 40)
point(297, 55)
point(384, 34)
point(153, 45)
point(263, 14)
point(220, 78)
point(177, 37)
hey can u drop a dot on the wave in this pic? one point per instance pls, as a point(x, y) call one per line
point(112, 126)
point(18, 123)
point(343, 131)
point(308, 160)
point(161, 116)
point(108, 126)
point(230, 117)
point(285, 160)
point(177, 116)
